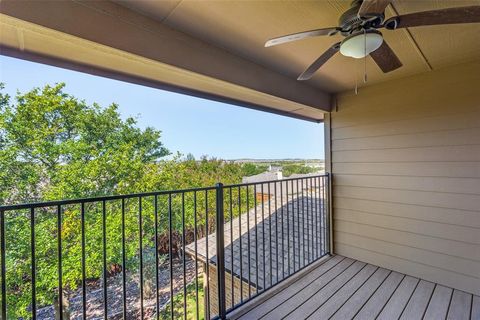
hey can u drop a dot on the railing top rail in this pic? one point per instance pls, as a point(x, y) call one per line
point(136, 195)
point(97, 199)
point(273, 181)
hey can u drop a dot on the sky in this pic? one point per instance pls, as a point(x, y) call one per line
point(188, 124)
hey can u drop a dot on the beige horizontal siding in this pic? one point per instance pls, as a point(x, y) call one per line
point(399, 125)
point(421, 198)
point(398, 141)
point(429, 228)
point(411, 211)
point(415, 169)
point(406, 185)
point(435, 184)
point(409, 238)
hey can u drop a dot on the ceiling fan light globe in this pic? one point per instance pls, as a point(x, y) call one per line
point(361, 44)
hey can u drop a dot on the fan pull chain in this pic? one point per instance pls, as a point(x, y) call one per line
point(356, 79)
point(365, 58)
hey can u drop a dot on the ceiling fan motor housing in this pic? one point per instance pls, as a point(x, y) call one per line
point(349, 22)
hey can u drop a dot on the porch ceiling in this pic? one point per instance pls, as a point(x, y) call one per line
point(215, 49)
point(242, 27)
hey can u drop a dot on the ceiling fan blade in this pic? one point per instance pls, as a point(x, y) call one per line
point(307, 74)
point(370, 8)
point(300, 36)
point(385, 58)
point(469, 14)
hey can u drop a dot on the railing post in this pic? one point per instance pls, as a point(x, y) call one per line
point(328, 216)
point(220, 220)
point(3, 266)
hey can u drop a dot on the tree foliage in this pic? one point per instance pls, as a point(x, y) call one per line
point(59, 147)
point(290, 169)
point(251, 169)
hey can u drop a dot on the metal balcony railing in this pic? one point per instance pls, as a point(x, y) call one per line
point(193, 253)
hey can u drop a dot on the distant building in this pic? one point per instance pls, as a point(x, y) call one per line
point(266, 176)
point(273, 168)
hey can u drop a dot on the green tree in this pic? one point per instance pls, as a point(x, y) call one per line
point(55, 146)
point(290, 169)
point(251, 169)
point(59, 147)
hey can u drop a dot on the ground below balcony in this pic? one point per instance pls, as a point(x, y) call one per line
point(343, 288)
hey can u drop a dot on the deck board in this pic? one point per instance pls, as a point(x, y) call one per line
point(282, 296)
point(320, 297)
point(397, 302)
point(475, 308)
point(344, 288)
point(459, 306)
point(358, 299)
point(374, 305)
point(418, 301)
point(306, 294)
point(338, 299)
point(438, 306)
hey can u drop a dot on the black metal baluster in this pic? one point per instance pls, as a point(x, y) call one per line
point(288, 227)
point(248, 246)
point(240, 237)
point(322, 205)
point(298, 227)
point(195, 236)
point(33, 263)
point(184, 261)
point(293, 227)
point(220, 245)
point(140, 227)
point(317, 219)
point(320, 213)
point(104, 237)
point(327, 212)
point(311, 226)
point(263, 237)
point(231, 247)
point(283, 234)
point(256, 238)
point(309, 223)
point(170, 253)
point(157, 298)
point(313, 219)
point(60, 273)
point(84, 276)
point(124, 263)
point(3, 266)
point(270, 232)
point(303, 224)
point(276, 228)
point(207, 257)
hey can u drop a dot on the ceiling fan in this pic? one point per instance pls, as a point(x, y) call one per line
point(359, 26)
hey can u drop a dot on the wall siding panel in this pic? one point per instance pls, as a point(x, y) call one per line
point(406, 176)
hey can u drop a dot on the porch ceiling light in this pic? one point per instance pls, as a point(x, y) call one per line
point(361, 44)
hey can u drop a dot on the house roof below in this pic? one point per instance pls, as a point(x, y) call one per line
point(272, 240)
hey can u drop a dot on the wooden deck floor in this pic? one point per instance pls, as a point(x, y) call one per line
point(344, 288)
